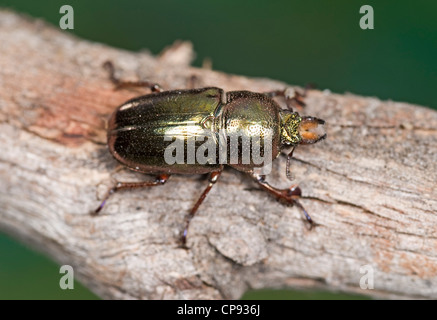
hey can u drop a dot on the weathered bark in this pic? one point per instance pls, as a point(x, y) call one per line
point(370, 186)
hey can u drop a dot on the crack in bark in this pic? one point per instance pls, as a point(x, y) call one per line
point(354, 205)
point(367, 126)
point(351, 179)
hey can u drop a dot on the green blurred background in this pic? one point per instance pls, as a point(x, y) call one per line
point(298, 42)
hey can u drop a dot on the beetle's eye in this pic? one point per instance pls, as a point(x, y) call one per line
point(311, 130)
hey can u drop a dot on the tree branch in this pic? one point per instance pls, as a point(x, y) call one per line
point(370, 186)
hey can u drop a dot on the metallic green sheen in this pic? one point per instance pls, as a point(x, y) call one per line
point(252, 115)
point(136, 129)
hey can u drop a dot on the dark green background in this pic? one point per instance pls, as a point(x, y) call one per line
point(298, 42)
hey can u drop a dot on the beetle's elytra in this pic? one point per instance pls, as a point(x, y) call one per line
point(144, 135)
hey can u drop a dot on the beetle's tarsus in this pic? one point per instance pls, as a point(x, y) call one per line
point(120, 84)
point(213, 177)
point(310, 221)
point(183, 243)
point(96, 212)
point(289, 196)
point(292, 97)
point(192, 81)
point(160, 180)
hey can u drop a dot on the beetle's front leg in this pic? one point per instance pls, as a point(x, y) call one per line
point(292, 96)
point(213, 177)
point(160, 180)
point(119, 84)
point(289, 196)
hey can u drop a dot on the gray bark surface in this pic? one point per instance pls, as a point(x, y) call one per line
point(370, 186)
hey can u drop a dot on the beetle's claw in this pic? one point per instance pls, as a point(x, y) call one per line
point(183, 240)
point(310, 221)
point(291, 196)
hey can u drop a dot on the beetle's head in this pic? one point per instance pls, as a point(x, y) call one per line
point(301, 130)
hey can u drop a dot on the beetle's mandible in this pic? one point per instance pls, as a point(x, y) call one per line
point(145, 133)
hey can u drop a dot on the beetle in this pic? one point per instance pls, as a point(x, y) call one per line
point(138, 132)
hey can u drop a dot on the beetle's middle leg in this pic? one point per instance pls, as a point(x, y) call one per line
point(213, 177)
point(160, 180)
point(289, 196)
point(119, 84)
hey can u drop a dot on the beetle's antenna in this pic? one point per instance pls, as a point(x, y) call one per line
point(287, 167)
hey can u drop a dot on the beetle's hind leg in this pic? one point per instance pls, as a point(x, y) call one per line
point(213, 177)
point(160, 180)
point(119, 84)
point(289, 196)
